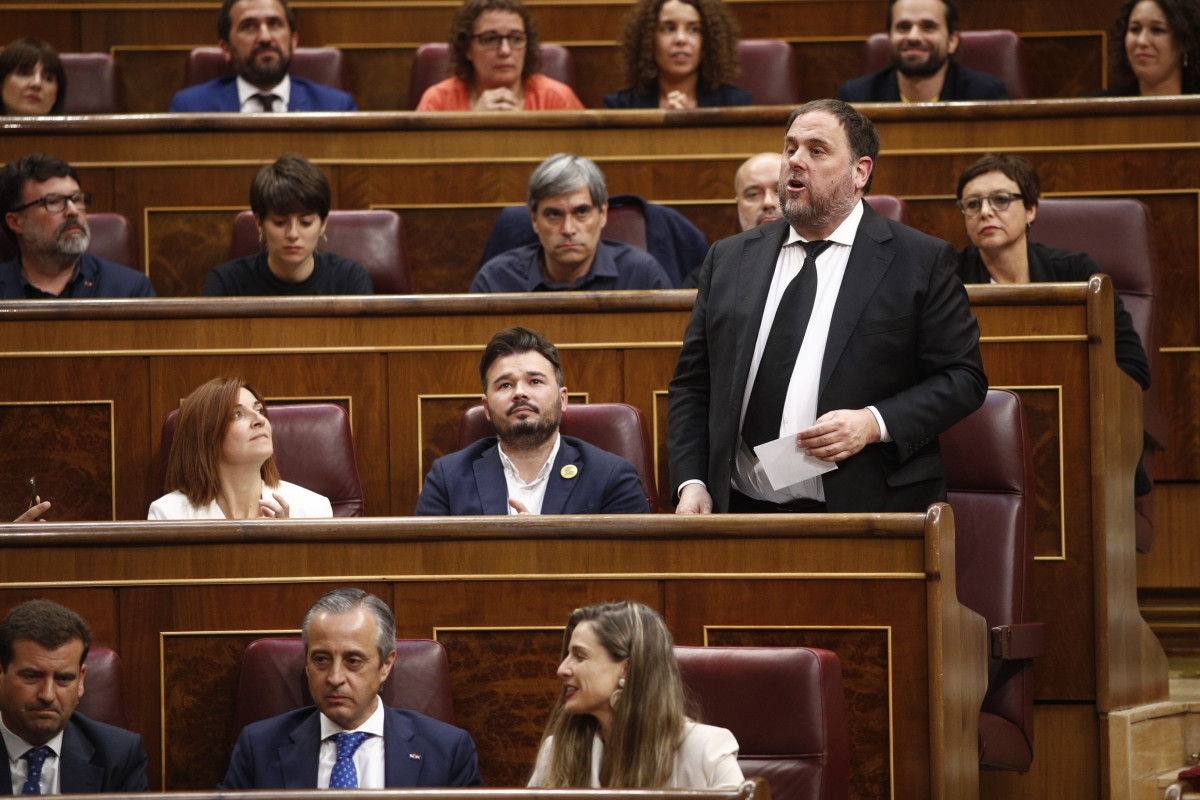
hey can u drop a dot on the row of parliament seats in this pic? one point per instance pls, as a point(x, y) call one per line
point(768, 68)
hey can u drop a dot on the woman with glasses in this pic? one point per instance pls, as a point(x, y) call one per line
point(619, 721)
point(33, 82)
point(679, 54)
point(222, 461)
point(998, 197)
point(495, 56)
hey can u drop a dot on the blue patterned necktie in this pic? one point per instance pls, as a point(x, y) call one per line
point(344, 775)
point(36, 757)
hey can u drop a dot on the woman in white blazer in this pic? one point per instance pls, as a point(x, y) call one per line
point(619, 722)
point(222, 461)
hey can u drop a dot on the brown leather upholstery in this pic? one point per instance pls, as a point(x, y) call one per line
point(104, 700)
point(989, 481)
point(889, 206)
point(431, 64)
point(313, 448)
point(997, 52)
point(373, 238)
point(626, 224)
point(1116, 233)
point(112, 238)
point(273, 682)
point(324, 65)
point(93, 84)
point(768, 71)
point(615, 427)
point(785, 706)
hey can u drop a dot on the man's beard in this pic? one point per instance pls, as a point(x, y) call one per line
point(821, 209)
point(528, 434)
point(66, 249)
point(929, 66)
point(264, 76)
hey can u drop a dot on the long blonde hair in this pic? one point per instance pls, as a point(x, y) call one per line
point(648, 713)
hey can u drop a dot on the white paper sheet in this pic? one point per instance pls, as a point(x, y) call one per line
point(785, 462)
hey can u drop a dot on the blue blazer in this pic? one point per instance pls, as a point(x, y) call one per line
point(960, 84)
point(95, 758)
point(220, 94)
point(471, 482)
point(419, 751)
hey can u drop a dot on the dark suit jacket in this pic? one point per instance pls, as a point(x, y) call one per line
point(282, 752)
point(96, 758)
point(960, 84)
point(220, 94)
point(724, 95)
point(471, 482)
point(902, 338)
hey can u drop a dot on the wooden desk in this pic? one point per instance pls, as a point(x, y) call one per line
point(183, 600)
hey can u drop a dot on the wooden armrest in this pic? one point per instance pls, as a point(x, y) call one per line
point(1026, 640)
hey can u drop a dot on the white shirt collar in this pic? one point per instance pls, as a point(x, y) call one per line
point(18, 747)
point(372, 725)
point(842, 234)
point(282, 90)
point(510, 469)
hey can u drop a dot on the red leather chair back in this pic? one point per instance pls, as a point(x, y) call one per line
point(431, 63)
point(104, 698)
point(374, 238)
point(273, 681)
point(615, 427)
point(626, 224)
point(112, 239)
point(313, 448)
point(989, 481)
point(768, 70)
point(997, 52)
point(324, 65)
point(889, 206)
point(1117, 233)
point(785, 706)
point(93, 84)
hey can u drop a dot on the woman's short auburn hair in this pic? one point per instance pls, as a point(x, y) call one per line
point(463, 28)
point(193, 465)
point(1016, 168)
point(290, 185)
point(718, 46)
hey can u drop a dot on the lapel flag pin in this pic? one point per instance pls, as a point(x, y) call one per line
point(415, 756)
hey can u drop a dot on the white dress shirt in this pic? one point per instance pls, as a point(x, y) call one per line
point(248, 102)
point(368, 759)
point(531, 494)
point(18, 768)
point(800, 405)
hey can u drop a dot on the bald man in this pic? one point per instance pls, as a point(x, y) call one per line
point(756, 187)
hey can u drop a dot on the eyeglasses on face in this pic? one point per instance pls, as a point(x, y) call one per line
point(999, 201)
point(490, 40)
point(57, 203)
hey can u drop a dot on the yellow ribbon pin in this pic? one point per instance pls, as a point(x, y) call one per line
point(569, 471)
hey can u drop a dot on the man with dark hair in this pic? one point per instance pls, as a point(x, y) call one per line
point(831, 338)
point(568, 207)
point(45, 214)
point(528, 467)
point(258, 37)
point(924, 36)
point(53, 749)
point(350, 739)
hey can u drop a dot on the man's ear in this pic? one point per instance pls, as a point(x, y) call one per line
point(952, 47)
point(14, 221)
point(82, 675)
point(225, 49)
point(487, 412)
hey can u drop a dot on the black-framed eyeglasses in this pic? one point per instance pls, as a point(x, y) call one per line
point(490, 40)
point(57, 203)
point(999, 201)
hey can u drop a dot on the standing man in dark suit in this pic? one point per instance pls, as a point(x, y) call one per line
point(863, 362)
point(528, 468)
point(258, 36)
point(51, 748)
point(350, 740)
point(924, 36)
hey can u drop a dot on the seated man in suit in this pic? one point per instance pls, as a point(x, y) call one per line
point(568, 207)
point(756, 189)
point(45, 213)
point(51, 748)
point(350, 739)
point(258, 36)
point(924, 37)
point(528, 468)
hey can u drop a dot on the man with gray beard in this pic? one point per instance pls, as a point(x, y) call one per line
point(45, 214)
point(528, 467)
point(833, 337)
